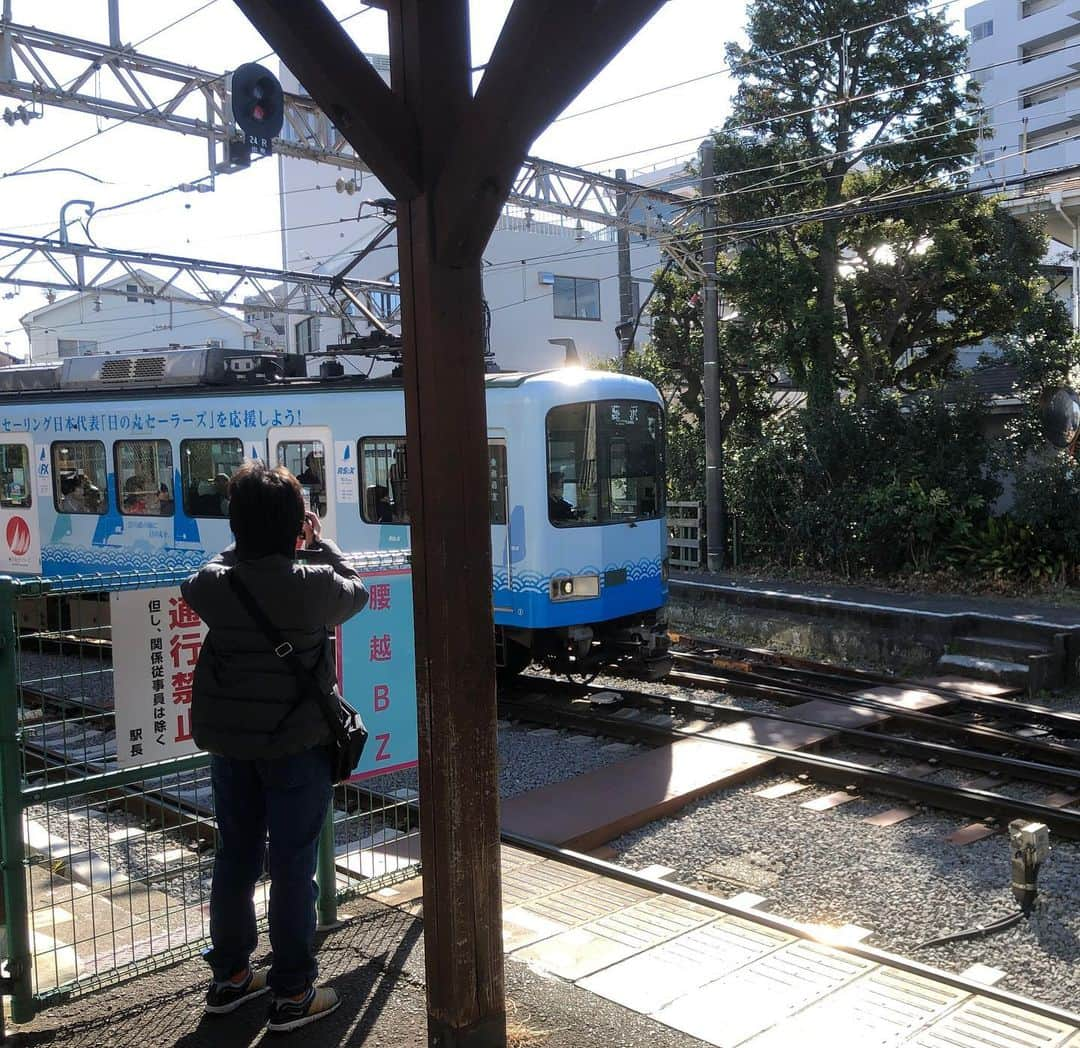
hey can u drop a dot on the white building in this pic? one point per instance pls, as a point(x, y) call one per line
point(129, 322)
point(1024, 55)
point(544, 277)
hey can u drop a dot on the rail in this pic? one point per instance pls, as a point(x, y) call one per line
point(107, 829)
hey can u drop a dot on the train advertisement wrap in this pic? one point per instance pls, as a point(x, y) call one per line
point(100, 474)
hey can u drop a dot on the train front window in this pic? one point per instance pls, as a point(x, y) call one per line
point(79, 482)
point(306, 460)
point(384, 476)
point(144, 477)
point(206, 467)
point(14, 476)
point(605, 462)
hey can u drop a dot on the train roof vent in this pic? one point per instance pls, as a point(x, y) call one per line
point(148, 368)
point(178, 367)
point(118, 370)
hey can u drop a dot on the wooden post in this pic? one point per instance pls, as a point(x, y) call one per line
point(446, 430)
point(450, 159)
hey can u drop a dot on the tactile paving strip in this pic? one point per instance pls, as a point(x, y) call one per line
point(580, 951)
point(589, 901)
point(754, 998)
point(650, 980)
point(524, 884)
point(880, 1009)
point(984, 1023)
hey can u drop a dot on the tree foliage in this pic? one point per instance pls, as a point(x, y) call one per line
point(880, 296)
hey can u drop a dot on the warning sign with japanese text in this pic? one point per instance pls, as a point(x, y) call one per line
point(153, 672)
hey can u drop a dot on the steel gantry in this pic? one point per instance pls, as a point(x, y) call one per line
point(53, 265)
point(119, 83)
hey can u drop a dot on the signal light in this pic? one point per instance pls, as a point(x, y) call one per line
point(258, 105)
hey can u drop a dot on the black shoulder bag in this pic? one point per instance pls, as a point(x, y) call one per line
point(346, 726)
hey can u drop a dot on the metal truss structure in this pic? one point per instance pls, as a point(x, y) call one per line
point(45, 68)
point(118, 83)
point(52, 265)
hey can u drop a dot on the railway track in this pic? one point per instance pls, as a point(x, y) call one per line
point(658, 719)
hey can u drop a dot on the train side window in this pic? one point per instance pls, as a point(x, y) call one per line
point(306, 460)
point(206, 467)
point(80, 483)
point(144, 477)
point(15, 476)
point(384, 479)
point(497, 483)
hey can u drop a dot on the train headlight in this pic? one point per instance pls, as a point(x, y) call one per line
point(575, 587)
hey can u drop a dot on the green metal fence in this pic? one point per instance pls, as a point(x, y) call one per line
point(106, 870)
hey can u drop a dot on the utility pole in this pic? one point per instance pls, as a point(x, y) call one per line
point(626, 285)
point(114, 24)
point(7, 65)
point(715, 530)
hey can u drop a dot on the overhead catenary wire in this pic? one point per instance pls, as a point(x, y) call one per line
point(728, 68)
point(812, 110)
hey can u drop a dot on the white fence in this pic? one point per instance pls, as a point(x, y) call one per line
point(686, 535)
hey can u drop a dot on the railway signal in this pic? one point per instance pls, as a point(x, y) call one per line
point(258, 105)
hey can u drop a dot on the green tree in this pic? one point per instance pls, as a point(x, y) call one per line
point(884, 70)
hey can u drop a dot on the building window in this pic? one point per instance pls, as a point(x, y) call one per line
point(132, 292)
point(206, 466)
point(15, 476)
point(982, 30)
point(74, 347)
point(305, 332)
point(577, 298)
point(79, 481)
point(144, 477)
point(1034, 7)
point(388, 302)
point(384, 475)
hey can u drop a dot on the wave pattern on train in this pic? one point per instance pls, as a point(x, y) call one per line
point(121, 463)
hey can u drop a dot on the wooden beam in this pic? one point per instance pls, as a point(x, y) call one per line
point(344, 84)
point(446, 427)
point(547, 52)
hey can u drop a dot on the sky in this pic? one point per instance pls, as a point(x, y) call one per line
point(239, 221)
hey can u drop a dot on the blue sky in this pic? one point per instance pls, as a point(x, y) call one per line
point(239, 221)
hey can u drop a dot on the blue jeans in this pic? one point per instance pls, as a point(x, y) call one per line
point(286, 797)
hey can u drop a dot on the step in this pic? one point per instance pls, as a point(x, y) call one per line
point(998, 648)
point(996, 670)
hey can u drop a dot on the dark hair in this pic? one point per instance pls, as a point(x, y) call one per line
point(266, 510)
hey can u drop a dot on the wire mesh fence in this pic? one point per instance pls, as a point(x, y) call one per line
point(107, 863)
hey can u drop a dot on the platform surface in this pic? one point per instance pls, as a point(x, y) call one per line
point(592, 962)
point(737, 979)
point(1019, 610)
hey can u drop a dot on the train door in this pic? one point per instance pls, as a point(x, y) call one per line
point(499, 514)
point(307, 452)
point(20, 539)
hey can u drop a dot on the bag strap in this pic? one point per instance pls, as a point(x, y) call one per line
point(284, 650)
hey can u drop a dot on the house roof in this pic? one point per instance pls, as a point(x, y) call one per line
point(44, 310)
point(992, 380)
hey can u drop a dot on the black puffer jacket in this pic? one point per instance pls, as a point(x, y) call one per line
point(246, 702)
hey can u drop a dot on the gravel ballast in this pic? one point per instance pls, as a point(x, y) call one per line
point(905, 882)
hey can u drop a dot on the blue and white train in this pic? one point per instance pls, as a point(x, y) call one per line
point(121, 463)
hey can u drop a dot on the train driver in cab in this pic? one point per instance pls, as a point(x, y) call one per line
point(558, 507)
